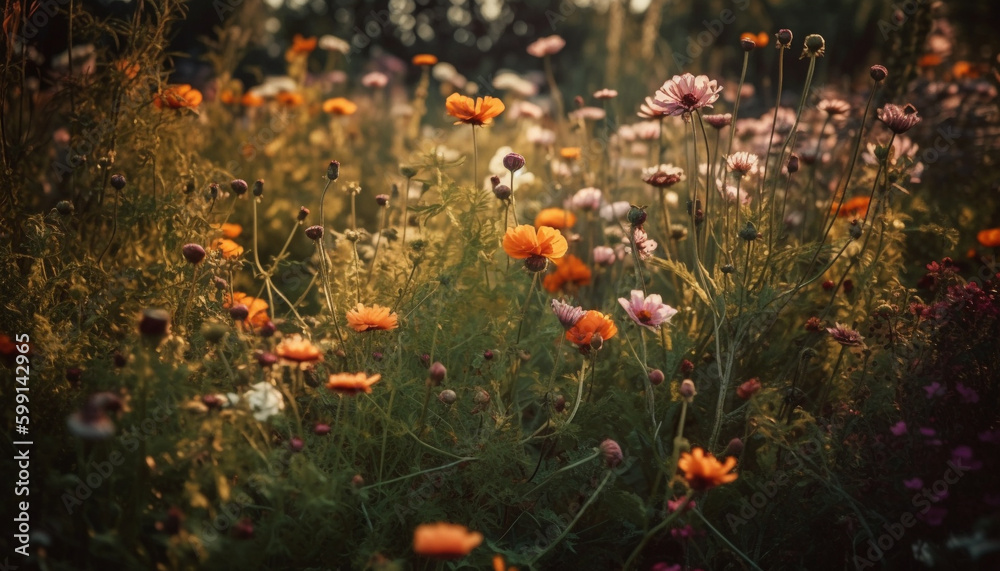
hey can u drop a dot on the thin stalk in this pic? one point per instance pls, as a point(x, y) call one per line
point(579, 514)
point(774, 118)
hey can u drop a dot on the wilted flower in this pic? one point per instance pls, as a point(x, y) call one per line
point(567, 314)
point(899, 119)
point(813, 46)
point(686, 93)
point(662, 176)
point(845, 336)
point(647, 311)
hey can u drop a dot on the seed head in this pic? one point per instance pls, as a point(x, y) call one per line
point(64, 207)
point(747, 44)
point(333, 170)
point(118, 181)
point(447, 397)
point(303, 213)
point(878, 73)
point(258, 187)
point(749, 232)
point(784, 37)
point(239, 186)
point(814, 46)
point(314, 232)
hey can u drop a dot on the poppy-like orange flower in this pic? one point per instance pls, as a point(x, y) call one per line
point(424, 59)
point(445, 540)
point(556, 218)
point(289, 98)
point(853, 208)
point(229, 229)
point(230, 250)
point(761, 40)
point(256, 308)
point(373, 318)
point(298, 349)
point(351, 383)
point(177, 97)
point(702, 471)
point(500, 565)
point(251, 99)
point(929, 60)
point(339, 106)
point(478, 111)
point(227, 96)
point(989, 238)
point(965, 70)
point(301, 45)
point(570, 270)
point(128, 69)
point(592, 322)
point(523, 242)
point(571, 153)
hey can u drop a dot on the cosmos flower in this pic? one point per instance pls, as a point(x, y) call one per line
point(647, 311)
point(742, 162)
point(549, 45)
point(643, 243)
point(351, 384)
point(424, 59)
point(662, 176)
point(444, 540)
point(556, 218)
point(230, 250)
point(686, 93)
point(899, 119)
point(856, 207)
point(177, 97)
point(534, 246)
point(298, 349)
point(593, 322)
point(264, 400)
point(845, 336)
point(702, 471)
point(570, 271)
point(374, 318)
point(339, 106)
point(480, 111)
point(567, 314)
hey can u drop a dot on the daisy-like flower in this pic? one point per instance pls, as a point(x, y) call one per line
point(898, 119)
point(662, 176)
point(556, 218)
point(534, 247)
point(177, 97)
point(567, 314)
point(731, 194)
point(742, 162)
point(479, 111)
point(643, 244)
point(592, 323)
point(298, 349)
point(264, 400)
point(846, 336)
point(719, 121)
point(605, 94)
point(856, 207)
point(834, 107)
point(686, 93)
point(445, 540)
point(650, 110)
point(547, 46)
point(588, 113)
point(374, 318)
point(339, 106)
point(989, 238)
point(647, 311)
point(230, 250)
point(702, 471)
point(587, 199)
point(570, 271)
point(289, 98)
point(375, 79)
point(351, 384)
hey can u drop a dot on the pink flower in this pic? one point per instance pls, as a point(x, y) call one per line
point(686, 93)
point(375, 79)
point(742, 162)
point(662, 176)
point(643, 244)
point(899, 119)
point(899, 428)
point(649, 312)
point(567, 314)
point(588, 113)
point(587, 199)
point(934, 390)
point(605, 94)
point(650, 110)
point(546, 46)
point(969, 395)
point(604, 256)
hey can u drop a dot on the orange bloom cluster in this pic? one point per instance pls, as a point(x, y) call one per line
point(556, 218)
point(445, 540)
point(856, 207)
point(230, 250)
point(570, 270)
point(702, 471)
point(480, 111)
point(373, 318)
point(298, 349)
point(592, 322)
point(989, 238)
point(257, 307)
point(339, 106)
point(177, 97)
point(351, 383)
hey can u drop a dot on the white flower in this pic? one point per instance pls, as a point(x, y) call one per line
point(264, 400)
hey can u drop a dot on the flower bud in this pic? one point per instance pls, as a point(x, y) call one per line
point(656, 377)
point(734, 448)
point(154, 323)
point(295, 444)
point(239, 312)
point(303, 213)
point(687, 390)
point(321, 429)
point(447, 397)
point(314, 232)
point(686, 367)
point(488, 355)
point(213, 190)
point(559, 403)
point(73, 375)
point(481, 397)
point(728, 269)
point(784, 37)
point(513, 162)
point(637, 215)
point(437, 372)
point(408, 172)
point(267, 359)
point(333, 170)
point(382, 199)
point(748, 389)
point(64, 207)
point(213, 332)
point(814, 46)
point(747, 44)
point(258, 187)
point(878, 73)
point(855, 230)
point(220, 283)
point(243, 529)
point(502, 191)
point(793, 164)
point(118, 181)
point(193, 253)
point(612, 453)
point(748, 233)
point(239, 186)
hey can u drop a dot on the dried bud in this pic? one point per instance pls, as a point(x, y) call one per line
point(878, 73)
point(382, 199)
point(814, 324)
point(154, 323)
point(814, 46)
point(637, 215)
point(502, 191)
point(118, 181)
point(494, 180)
point(239, 186)
point(727, 269)
point(220, 283)
point(352, 235)
point(447, 397)
point(612, 453)
point(333, 170)
point(314, 232)
point(848, 286)
point(481, 397)
point(213, 190)
point(64, 207)
point(303, 213)
point(437, 372)
point(656, 377)
point(784, 37)
point(686, 367)
point(193, 253)
point(749, 232)
point(793, 164)
point(258, 187)
point(687, 390)
point(513, 162)
point(747, 44)
point(408, 172)
point(239, 312)
point(855, 229)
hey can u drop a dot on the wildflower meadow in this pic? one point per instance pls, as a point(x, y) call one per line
point(653, 285)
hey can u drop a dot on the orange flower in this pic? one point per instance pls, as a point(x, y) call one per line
point(228, 97)
point(500, 565)
point(929, 60)
point(571, 153)
point(478, 112)
point(965, 70)
point(339, 106)
point(525, 242)
point(229, 230)
point(230, 250)
point(989, 238)
point(853, 208)
point(257, 308)
point(569, 270)
point(351, 383)
point(702, 471)
point(301, 45)
point(289, 98)
point(424, 59)
point(296, 348)
point(760, 40)
point(129, 69)
point(251, 99)
point(556, 218)
point(592, 322)
point(372, 318)
point(177, 97)
point(445, 540)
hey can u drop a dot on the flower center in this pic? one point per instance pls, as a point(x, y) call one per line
point(644, 316)
point(689, 100)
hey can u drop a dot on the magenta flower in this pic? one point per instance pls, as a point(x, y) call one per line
point(899, 428)
point(649, 312)
point(913, 484)
point(686, 93)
